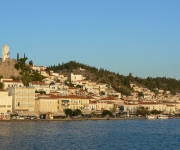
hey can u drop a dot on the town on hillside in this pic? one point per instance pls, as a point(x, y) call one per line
point(58, 95)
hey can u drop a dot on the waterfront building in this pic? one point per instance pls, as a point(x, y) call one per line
point(5, 102)
point(23, 100)
point(53, 105)
point(104, 105)
point(48, 106)
point(111, 99)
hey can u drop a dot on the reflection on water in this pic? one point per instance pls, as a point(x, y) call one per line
point(105, 134)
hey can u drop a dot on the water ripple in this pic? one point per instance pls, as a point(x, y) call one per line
point(80, 135)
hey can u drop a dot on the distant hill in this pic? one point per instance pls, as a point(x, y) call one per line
point(119, 82)
point(7, 69)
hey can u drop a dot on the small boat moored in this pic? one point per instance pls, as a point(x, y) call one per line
point(151, 117)
point(162, 117)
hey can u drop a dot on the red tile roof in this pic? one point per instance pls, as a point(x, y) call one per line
point(109, 98)
point(11, 81)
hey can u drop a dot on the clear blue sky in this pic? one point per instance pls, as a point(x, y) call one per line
point(137, 36)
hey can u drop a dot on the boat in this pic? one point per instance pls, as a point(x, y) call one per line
point(151, 117)
point(162, 117)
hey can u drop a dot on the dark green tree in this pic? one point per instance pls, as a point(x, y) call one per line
point(31, 63)
point(106, 112)
point(102, 93)
point(140, 94)
point(156, 111)
point(17, 56)
point(142, 111)
point(1, 85)
point(25, 70)
point(68, 112)
point(77, 112)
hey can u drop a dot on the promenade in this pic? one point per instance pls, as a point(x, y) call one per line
point(78, 119)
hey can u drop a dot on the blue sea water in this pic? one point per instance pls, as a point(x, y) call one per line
point(88, 134)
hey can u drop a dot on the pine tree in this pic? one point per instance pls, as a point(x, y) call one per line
point(17, 56)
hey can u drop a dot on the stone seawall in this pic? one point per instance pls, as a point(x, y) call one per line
point(7, 68)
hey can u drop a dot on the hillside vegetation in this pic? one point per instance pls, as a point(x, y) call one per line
point(119, 82)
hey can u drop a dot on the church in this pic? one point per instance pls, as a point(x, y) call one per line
point(5, 53)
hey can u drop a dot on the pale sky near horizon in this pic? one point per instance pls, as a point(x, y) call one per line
point(137, 36)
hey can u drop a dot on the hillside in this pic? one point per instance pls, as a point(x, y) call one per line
point(7, 69)
point(119, 82)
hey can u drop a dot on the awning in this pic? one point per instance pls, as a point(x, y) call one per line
point(177, 112)
point(98, 113)
point(59, 114)
point(86, 112)
point(65, 101)
point(166, 112)
point(28, 114)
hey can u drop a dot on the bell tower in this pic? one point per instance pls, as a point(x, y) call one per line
point(5, 52)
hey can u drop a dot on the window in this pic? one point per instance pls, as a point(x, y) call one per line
point(18, 103)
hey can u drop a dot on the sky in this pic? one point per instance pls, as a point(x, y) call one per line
point(134, 36)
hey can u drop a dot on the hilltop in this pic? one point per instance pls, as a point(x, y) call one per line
point(119, 82)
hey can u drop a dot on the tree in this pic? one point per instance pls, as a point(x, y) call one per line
point(77, 112)
point(36, 76)
point(140, 94)
point(106, 112)
point(142, 111)
point(114, 110)
point(102, 93)
point(155, 112)
point(15, 78)
point(1, 85)
point(25, 70)
point(31, 63)
point(130, 74)
point(68, 112)
point(52, 83)
point(17, 56)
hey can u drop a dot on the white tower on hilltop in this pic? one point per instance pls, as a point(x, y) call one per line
point(5, 52)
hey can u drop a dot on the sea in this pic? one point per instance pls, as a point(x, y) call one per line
point(91, 135)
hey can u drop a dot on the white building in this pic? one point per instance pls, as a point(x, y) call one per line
point(76, 77)
point(40, 86)
point(38, 68)
point(11, 83)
